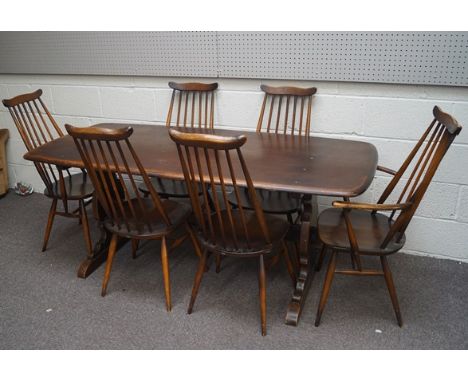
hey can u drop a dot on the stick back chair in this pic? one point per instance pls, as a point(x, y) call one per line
point(297, 105)
point(285, 110)
point(360, 229)
point(109, 156)
point(37, 127)
point(192, 105)
point(209, 160)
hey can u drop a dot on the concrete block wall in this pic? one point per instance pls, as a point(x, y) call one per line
point(392, 117)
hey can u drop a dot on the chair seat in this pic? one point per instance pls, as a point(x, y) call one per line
point(137, 226)
point(238, 245)
point(169, 188)
point(370, 231)
point(272, 202)
point(78, 186)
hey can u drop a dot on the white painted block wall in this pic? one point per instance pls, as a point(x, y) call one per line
point(391, 117)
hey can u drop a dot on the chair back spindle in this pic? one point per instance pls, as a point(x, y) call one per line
point(286, 110)
point(192, 105)
point(112, 163)
point(211, 161)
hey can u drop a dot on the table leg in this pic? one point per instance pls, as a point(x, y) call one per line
point(97, 257)
point(99, 254)
point(306, 272)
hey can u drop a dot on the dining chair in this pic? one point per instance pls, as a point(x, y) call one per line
point(192, 105)
point(359, 229)
point(209, 160)
point(112, 165)
point(286, 111)
point(37, 127)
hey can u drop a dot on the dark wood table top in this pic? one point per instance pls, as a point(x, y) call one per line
point(309, 165)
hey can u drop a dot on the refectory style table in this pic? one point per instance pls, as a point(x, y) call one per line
point(302, 165)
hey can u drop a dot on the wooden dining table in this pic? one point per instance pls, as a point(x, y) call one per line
point(297, 164)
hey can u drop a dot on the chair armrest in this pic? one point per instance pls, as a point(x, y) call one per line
point(386, 170)
point(371, 206)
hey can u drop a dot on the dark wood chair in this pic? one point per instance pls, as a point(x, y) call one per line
point(37, 127)
point(297, 106)
point(359, 229)
point(285, 110)
point(210, 161)
point(192, 105)
point(109, 157)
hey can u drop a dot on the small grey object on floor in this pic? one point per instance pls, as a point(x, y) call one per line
point(43, 305)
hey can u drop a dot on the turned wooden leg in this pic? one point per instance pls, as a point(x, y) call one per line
point(321, 257)
point(289, 265)
point(391, 289)
point(50, 221)
point(84, 221)
point(165, 268)
point(326, 288)
point(110, 259)
point(196, 283)
point(262, 290)
point(135, 244)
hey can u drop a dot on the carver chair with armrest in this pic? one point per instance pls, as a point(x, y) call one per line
point(360, 229)
point(209, 160)
point(192, 105)
point(37, 127)
point(285, 111)
point(112, 164)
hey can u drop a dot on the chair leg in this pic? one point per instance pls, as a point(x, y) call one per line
point(110, 259)
point(321, 257)
point(178, 242)
point(326, 288)
point(391, 289)
point(262, 290)
point(353, 262)
point(50, 221)
point(196, 283)
point(290, 219)
point(165, 268)
point(195, 243)
point(84, 220)
point(135, 244)
point(218, 263)
point(289, 265)
point(271, 261)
